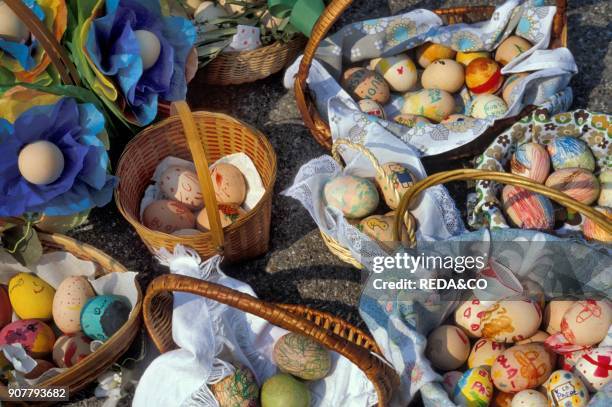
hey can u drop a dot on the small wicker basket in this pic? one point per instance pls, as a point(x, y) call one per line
point(204, 137)
point(333, 333)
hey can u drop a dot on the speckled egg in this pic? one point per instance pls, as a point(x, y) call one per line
point(229, 214)
point(41, 162)
point(434, 104)
point(168, 216)
point(69, 299)
point(239, 389)
point(587, 322)
point(71, 349)
point(448, 347)
point(531, 160)
point(510, 89)
point(538, 337)
point(104, 315)
point(511, 320)
point(31, 297)
point(474, 388)
point(399, 71)
point(229, 184)
point(511, 48)
point(410, 120)
point(522, 367)
point(11, 26)
point(484, 352)
point(529, 398)
point(397, 179)
point(36, 337)
point(362, 83)
point(487, 107)
point(42, 366)
point(565, 389)
point(356, 197)
point(483, 75)
point(469, 314)
point(445, 74)
point(6, 310)
point(182, 185)
point(555, 309)
point(372, 108)
point(570, 152)
point(526, 209)
point(449, 381)
point(380, 228)
point(593, 231)
point(594, 368)
point(578, 183)
point(430, 52)
point(464, 58)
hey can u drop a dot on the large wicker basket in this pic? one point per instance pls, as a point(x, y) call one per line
point(204, 137)
point(87, 370)
point(333, 333)
point(320, 129)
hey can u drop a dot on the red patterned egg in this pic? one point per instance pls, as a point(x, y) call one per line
point(587, 322)
point(522, 367)
point(531, 160)
point(526, 209)
point(469, 314)
point(71, 349)
point(168, 216)
point(484, 352)
point(595, 368)
point(36, 337)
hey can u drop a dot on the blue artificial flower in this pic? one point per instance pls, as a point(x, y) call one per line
point(23, 52)
point(84, 182)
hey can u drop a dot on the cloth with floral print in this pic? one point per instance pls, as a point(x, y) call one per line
point(595, 129)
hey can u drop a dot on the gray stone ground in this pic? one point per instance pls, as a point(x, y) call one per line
point(299, 268)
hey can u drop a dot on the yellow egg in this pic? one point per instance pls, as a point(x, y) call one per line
point(434, 104)
point(182, 185)
point(362, 83)
point(511, 320)
point(149, 46)
point(488, 107)
point(394, 183)
point(399, 71)
point(522, 367)
point(565, 389)
point(474, 388)
point(31, 297)
point(464, 58)
point(511, 48)
point(444, 74)
point(229, 184)
point(69, 299)
point(228, 213)
point(429, 52)
point(484, 352)
point(41, 162)
point(587, 322)
point(11, 27)
point(380, 228)
point(448, 347)
point(483, 75)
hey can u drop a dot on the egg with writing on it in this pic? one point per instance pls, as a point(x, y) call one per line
point(31, 296)
point(445, 74)
point(11, 26)
point(469, 316)
point(41, 162)
point(587, 322)
point(182, 185)
point(511, 48)
point(104, 315)
point(302, 357)
point(168, 216)
point(511, 320)
point(362, 83)
point(522, 367)
point(228, 214)
point(484, 352)
point(529, 398)
point(399, 71)
point(605, 183)
point(487, 107)
point(538, 337)
point(595, 368)
point(434, 104)
point(511, 86)
point(36, 337)
point(395, 180)
point(464, 58)
point(6, 310)
point(450, 380)
point(71, 295)
point(565, 389)
point(577, 183)
point(42, 367)
point(229, 184)
point(410, 120)
point(531, 160)
point(369, 106)
point(593, 231)
point(380, 228)
point(570, 152)
point(356, 197)
point(448, 347)
point(430, 52)
point(474, 388)
point(526, 209)
point(483, 75)
point(71, 349)
point(238, 389)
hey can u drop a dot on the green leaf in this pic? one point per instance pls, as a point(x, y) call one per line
point(23, 244)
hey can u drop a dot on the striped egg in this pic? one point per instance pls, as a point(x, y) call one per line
point(531, 160)
point(570, 152)
point(595, 368)
point(474, 388)
point(577, 183)
point(593, 231)
point(563, 388)
point(526, 209)
point(483, 75)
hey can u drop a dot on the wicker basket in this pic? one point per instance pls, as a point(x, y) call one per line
point(206, 137)
point(87, 370)
point(333, 333)
point(320, 129)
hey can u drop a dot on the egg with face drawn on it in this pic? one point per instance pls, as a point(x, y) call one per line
point(31, 296)
point(104, 315)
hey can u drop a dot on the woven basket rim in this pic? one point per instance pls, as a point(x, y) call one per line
point(273, 47)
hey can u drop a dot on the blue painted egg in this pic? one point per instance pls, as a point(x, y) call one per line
point(104, 315)
point(570, 152)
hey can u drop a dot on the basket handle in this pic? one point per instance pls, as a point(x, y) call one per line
point(198, 152)
point(473, 175)
point(58, 55)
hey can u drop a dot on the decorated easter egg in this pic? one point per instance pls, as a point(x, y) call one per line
point(399, 72)
point(410, 120)
point(36, 337)
point(182, 185)
point(149, 47)
point(238, 389)
point(69, 299)
point(488, 107)
point(510, 89)
point(356, 197)
point(587, 322)
point(570, 152)
point(168, 216)
point(11, 26)
point(538, 337)
point(6, 310)
point(445, 74)
point(529, 398)
point(511, 48)
point(42, 366)
point(283, 390)
point(229, 214)
point(71, 349)
point(531, 160)
point(565, 389)
point(605, 185)
point(434, 104)
point(501, 399)
point(484, 352)
point(483, 75)
point(41, 162)
point(568, 360)
point(511, 320)
point(595, 368)
point(448, 347)
point(469, 315)
point(31, 297)
point(372, 108)
point(362, 83)
point(395, 181)
point(450, 380)
point(380, 228)
point(464, 58)
point(577, 183)
point(302, 357)
point(429, 52)
point(526, 209)
point(474, 388)
point(521, 367)
point(229, 184)
point(553, 314)
point(593, 231)
point(104, 315)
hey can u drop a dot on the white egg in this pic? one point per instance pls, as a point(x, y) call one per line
point(11, 27)
point(594, 367)
point(150, 47)
point(529, 398)
point(41, 162)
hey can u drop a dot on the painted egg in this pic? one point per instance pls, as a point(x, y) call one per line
point(182, 185)
point(356, 197)
point(501, 399)
point(41, 162)
point(229, 214)
point(522, 367)
point(529, 398)
point(469, 314)
point(593, 231)
point(445, 74)
point(570, 152)
point(565, 389)
point(555, 309)
point(42, 366)
point(488, 107)
point(397, 179)
point(36, 337)
point(605, 184)
point(149, 46)
point(538, 337)
point(410, 120)
point(587, 322)
point(526, 209)
point(229, 184)
point(448, 347)
point(595, 368)
point(69, 299)
point(531, 160)
point(31, 297)
point(568, 360)
point(430, 52)
point(168, 216)
point(510, 89)
point(6, 310)
point(464, 58)
point(362, 83)
point(11, 26)
point(302, 357)
point(474, 388)
point(449, 381)
point(511, 48)
point(399, 71)
point(484, 352)
point(238, 389)
point(511, 320)
point(380, 228)
point(577, 183)
point(372, 108)
point(104, 315)
point(71, 349)
point(483, 75)
point(434, 104)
